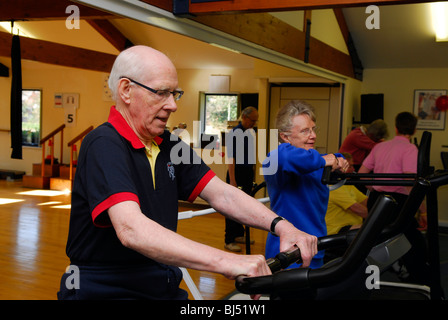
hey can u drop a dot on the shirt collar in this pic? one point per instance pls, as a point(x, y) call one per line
point(123, 128)
point(401, 138)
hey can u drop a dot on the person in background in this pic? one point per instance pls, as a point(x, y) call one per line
point(361, 140)
point(122, 235)
point(295, 190)
point(347, 208)
point(399, 155)
point(240, 171)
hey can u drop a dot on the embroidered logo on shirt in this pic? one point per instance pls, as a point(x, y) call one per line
point(170, 168)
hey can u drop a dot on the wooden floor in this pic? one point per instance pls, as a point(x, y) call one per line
point(33, 233)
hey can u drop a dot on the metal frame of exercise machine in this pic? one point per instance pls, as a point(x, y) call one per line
point(425, 183)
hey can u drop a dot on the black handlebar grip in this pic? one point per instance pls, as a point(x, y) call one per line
point(326, 175)
point(289, 257)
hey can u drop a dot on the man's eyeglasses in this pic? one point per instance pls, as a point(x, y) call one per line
point(162, 94)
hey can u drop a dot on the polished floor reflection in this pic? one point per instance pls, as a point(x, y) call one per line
point(33, 232)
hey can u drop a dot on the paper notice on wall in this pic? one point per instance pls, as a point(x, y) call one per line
point(70, 116)
point(70, 103)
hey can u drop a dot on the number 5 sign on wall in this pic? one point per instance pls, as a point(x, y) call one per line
point(70, 103)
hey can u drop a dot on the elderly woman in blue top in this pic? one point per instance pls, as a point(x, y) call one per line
point(295, 188)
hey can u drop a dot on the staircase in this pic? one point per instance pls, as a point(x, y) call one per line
point(50, 173)
point(64, 180)
point(48, 168)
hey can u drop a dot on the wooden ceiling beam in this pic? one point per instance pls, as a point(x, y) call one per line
point(28, 10)
point(58, 54)
point(269, 32)
point(351, 47)
point(262, 29)
point(31, 10)
point(342, 23)
point(110, 33)
point(202, 7)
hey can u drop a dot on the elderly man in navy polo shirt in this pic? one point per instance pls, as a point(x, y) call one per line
point(122, 235)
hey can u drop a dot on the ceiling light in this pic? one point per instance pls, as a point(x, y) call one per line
point(439, 13)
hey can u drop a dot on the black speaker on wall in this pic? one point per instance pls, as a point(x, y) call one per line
point(249, 100)
point(372, 107)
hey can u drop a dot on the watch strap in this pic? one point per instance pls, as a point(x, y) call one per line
point(274, 223)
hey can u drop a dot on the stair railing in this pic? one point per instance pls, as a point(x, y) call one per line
point(50, 138)
point(73, 148)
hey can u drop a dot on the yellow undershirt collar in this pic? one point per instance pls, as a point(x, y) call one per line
point(151, 154)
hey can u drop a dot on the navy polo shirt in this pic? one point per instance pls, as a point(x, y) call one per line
point(113, 167)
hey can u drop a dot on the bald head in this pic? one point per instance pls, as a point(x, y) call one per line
point(140, 63)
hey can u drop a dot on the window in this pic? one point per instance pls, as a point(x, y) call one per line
point(31, 117)
point(218, 109)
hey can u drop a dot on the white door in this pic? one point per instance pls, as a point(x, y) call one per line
point(326, 103)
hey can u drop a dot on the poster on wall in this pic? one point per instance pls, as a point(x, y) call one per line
point(429, 117)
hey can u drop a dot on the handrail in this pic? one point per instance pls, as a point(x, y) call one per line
point(52, 133)
point(50, 138)
point(72, 145)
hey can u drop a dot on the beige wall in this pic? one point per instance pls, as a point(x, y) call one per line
point(51, 79)
point(352, 101)
point(398, 87)
point(193, 81)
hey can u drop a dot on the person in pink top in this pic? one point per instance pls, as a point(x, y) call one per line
point(399, 155)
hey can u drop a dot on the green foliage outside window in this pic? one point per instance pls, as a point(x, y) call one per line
point(31, 110)
point(219, 108)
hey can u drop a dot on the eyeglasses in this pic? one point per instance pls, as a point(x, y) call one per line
point(162, 94)
point(307, 132)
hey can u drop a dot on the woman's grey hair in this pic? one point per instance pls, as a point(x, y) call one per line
point(293, 108)
point(126, 65)
point(377, 130)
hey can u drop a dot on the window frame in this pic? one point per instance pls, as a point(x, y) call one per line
point(35, 143)
point(202, 113)
point(203, 106)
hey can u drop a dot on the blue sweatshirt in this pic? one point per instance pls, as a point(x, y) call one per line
point(297, 193)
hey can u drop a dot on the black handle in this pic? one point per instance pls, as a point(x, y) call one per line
point(284, 259)
point(326, 175)
point(261, 284)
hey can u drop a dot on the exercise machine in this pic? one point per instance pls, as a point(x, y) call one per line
point(374, 244)
point(329, 281)
point(425, 171)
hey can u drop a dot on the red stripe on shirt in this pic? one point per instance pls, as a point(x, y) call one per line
point(201, 185)
point(109, 202)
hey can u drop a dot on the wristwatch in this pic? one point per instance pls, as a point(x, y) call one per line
point(274, 223)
